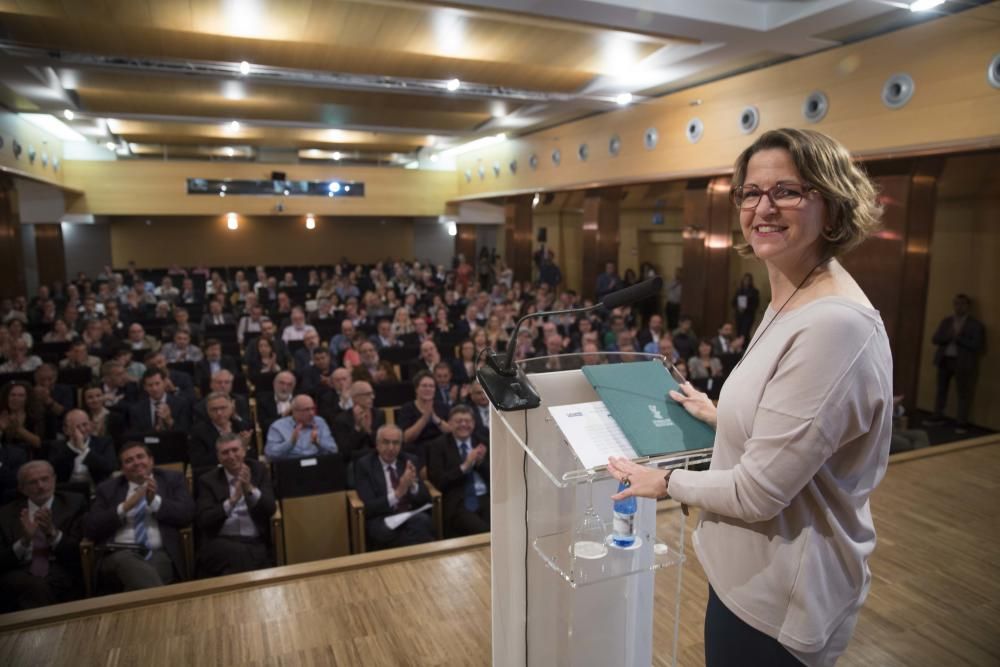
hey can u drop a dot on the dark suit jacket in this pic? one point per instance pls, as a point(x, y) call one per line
point(200, 412)
point(12, 457)
point(371, 487)
point(176, 511)
point(267, 410)
point(140, 418)
point(201, 443)
point(67, 514)
point(352, 443)
point(444, 470)
point(203, 371)
point(100, 461)
point(213, 491)
point(207, 321)
point(65, 396)
point(482, 431)
point(970, 341)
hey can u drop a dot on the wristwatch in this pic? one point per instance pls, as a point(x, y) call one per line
point(666, 483)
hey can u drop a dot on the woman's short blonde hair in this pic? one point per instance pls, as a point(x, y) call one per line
point(853, 212)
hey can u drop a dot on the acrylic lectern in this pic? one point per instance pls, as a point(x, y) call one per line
point(554, 603)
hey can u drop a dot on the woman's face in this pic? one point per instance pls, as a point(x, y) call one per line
point(17, 398)
point(789, 236)
point(704, 350)
point(425, 390)
point(468, 350)
point(94, 400)
point(264, 347)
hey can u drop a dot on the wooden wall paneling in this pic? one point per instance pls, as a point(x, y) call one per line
point(139, 187)
point(694, 270)
point(465, 242)
point(718, 254)
point(51, 253)
point(601, 217)
point(12, 281)
point(517, 236)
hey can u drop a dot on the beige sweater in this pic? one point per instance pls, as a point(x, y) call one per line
point(804, 425)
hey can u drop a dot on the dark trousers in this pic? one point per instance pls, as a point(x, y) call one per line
point(729, 642)
point(225, 554)
point(964, 382)
point(744, 323)
point(132, 572)
point(19, 589)
point(464, 522)
point(418, 529)
point(673, 315)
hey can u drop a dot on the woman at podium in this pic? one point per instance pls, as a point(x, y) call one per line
point(803, 423)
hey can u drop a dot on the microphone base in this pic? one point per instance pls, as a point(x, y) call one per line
point(508, 393)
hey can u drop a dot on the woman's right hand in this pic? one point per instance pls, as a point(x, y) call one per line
point(698, 404)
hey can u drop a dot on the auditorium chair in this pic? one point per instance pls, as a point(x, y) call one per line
point(312, 497)
point(359, 539)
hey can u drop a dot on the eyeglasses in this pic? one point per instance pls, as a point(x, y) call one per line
point(782, 195)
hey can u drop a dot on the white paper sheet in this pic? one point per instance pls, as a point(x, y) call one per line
point(394, 521)
point(591, 432)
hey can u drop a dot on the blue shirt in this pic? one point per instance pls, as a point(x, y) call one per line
point(280, 445)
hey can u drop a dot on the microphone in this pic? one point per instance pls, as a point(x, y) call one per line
point(507, 386)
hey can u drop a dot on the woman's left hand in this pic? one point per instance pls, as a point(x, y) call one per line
point(642, 481)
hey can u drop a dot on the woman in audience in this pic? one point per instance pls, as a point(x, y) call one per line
point(401, 323)
point(17, 332)
point(21, 419)
point(60, 333)
point(464, 367)
point(480, 341)
point(267, 359)
point(441, 323)
point(422, 419)
point(106, 423)
point(704, 365)
point(495, 333)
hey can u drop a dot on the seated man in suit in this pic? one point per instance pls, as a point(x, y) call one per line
point(429, 358)
point(303, 356)
point(204, 434)
point(222, 383)
point(316, 379)
point(181, 348)
point(446, 391)
point(158, 410)
point(273, 405)
point(480, 404)
point(235, 505)
point(213, 362)
point(117, 387)
point(459, 467)
point(137, 517)
point(388, 483)
point(82, 457)
point(40, 541)
point(301, 434)
point(332, 403)
point(354, 429)
point(215, 317)
point(179, 383)
point(77, 356)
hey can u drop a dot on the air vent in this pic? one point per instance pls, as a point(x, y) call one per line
point(815, 107)
point(695, 128)
point(749, 119)
point(897, 90)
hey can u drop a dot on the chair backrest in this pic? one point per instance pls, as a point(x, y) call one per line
point(26, 376)
point(50, 352)
point(400, 355)
point(76, 377)
point(316, 527)
point(393, 393)
point(308, 476)
point(167, 446)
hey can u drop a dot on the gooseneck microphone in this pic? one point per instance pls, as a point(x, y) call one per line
point(505, 383)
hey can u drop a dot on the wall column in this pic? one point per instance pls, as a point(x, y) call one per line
point(893, 266)
point(601, 217)
point(51, 253)
point(465, 242)
point(708, 239)
point(12, 281)
point(517, 236)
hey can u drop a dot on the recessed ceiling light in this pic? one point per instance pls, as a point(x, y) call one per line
point(244, 68)
point(234, 125)
point(336, 155)
point(111, 145)
point(232, 221)
point(230, 151)
point(335, 187)
point(924, 5)
point(310, 222)
point(53, 125)
point(453, 85)
point(434, 157)
point(286, 193)
point(68, 114)
point(623, 99)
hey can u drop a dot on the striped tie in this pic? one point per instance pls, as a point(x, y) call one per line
point(141, 537)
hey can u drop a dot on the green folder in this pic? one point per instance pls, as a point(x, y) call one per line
point(636, 396)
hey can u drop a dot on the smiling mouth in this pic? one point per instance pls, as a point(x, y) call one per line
point(768, 229)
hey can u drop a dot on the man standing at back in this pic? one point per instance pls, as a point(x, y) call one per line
point(959, 339)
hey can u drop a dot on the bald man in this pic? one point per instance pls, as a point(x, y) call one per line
point(300, 434)
point(39, 541)
point(82, 458)
point(354, 429)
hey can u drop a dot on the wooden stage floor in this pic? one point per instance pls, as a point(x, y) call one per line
point(935, 598)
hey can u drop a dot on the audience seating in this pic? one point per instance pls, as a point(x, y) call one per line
point(359, 540)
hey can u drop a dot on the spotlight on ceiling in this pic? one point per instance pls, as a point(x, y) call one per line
point(111, 145)
point(310, 222)
point(334, 186)
point(244, 68)
point(337, 155)
point(453, 85)
point(924, 5)
point(68, 114)
point(232, 221)
point(234, 125)
point(623, 99)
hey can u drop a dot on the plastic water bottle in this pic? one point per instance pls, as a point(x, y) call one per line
point(623, 526)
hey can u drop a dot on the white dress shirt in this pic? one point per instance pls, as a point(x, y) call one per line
point(238, 522)
point(391, 495)
point(126, 533)
point(22, 552)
